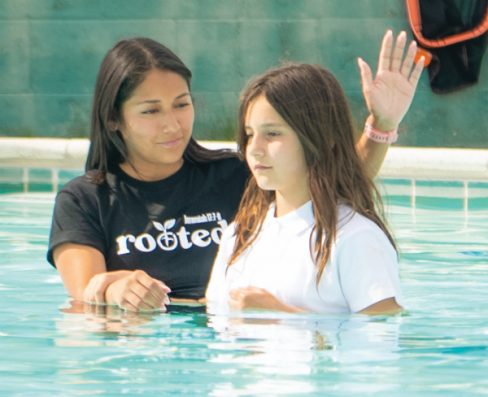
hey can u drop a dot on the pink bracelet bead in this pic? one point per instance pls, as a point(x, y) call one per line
point(380, 136)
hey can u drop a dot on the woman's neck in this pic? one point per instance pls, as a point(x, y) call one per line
point(150, 174)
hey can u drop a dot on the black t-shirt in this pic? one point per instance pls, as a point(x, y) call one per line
point(171, 228)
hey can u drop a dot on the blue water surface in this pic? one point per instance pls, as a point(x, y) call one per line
point(439, 347)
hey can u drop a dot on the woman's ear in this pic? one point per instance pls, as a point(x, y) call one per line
point(113, 126)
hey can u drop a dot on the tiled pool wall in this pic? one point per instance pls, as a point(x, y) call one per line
point(435, 194)
point(23, 180)
point(462, 195)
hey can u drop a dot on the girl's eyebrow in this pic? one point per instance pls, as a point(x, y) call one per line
point(151, 101)
point(266, 125)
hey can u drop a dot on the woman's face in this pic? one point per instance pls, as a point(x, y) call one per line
point(274, 153)
point(156, 126)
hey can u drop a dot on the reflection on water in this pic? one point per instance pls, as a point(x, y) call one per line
point(243, 355)
point(439, 347)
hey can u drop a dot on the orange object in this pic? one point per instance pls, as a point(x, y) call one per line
point(422, 52)
point(413, 9)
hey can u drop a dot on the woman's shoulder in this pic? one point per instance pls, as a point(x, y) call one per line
point(85, 185)
point(231, 169)
point(78, 184)
point(226, 164)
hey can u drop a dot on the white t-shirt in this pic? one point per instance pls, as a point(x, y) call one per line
point(362, 268)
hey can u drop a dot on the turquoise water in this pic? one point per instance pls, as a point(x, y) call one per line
point(439, 347)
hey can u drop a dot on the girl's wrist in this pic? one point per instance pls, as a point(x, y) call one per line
point(381, 124)
point(380, 136)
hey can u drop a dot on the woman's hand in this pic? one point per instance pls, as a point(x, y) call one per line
point(94, 292)
point(389, 95)
point(257, 298)
point(138, 292)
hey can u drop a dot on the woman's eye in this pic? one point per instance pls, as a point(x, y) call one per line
point(182, 105)
point(150, 111)
point(273, 134)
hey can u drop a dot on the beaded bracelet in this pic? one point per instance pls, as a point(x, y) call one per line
point(380, 136)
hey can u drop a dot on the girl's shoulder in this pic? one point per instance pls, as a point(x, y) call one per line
point(353, 224)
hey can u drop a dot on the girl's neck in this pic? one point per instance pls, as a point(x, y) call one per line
point(286, 203)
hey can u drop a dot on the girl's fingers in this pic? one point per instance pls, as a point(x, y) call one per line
point(417, 71)
point(385, 51)
point(408, 61)
point(397, 55)
point(366, 75)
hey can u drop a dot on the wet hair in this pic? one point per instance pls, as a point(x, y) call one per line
point(122, 70)
point(312, 102)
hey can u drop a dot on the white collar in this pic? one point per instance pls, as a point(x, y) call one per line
point(299, 219)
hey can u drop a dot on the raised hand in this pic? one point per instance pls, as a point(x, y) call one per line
point(389, 94)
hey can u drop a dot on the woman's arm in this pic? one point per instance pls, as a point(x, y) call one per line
point(388, 95)
point(77, 264)
point(84, 274)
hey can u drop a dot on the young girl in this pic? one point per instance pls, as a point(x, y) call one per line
point(307, 236)
point(146, 219)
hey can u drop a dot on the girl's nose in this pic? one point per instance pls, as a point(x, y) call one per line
point(255, 146)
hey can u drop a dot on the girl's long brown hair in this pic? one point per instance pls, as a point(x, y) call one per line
point(312, 102)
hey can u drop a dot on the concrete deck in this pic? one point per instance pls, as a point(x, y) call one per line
point(401, 162)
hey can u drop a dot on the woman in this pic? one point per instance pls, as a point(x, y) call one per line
point(307, 236)
point(146, 219)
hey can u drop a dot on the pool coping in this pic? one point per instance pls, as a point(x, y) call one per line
point(401, 162)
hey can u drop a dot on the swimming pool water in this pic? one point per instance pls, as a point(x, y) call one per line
point(439, 347)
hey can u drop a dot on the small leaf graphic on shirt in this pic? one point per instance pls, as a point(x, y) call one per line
point(169, 223)
point(159, 226)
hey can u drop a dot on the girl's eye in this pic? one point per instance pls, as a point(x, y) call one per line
point(273, 134)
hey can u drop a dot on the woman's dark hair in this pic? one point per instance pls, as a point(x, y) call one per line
point(124, 67)
point(312, 102)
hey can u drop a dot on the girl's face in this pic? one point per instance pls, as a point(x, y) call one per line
point(157, 122)
point(274, 153)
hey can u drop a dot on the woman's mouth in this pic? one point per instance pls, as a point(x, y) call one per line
point(171, 143)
